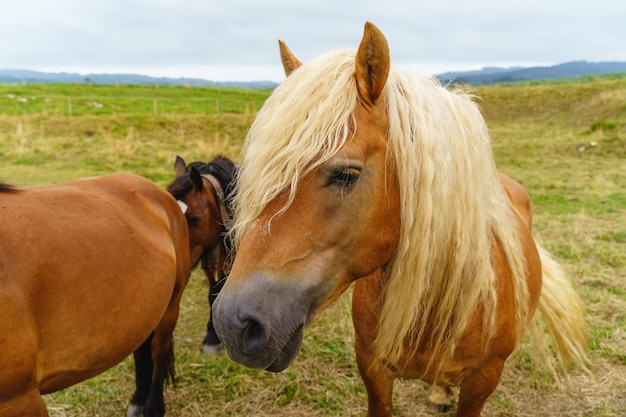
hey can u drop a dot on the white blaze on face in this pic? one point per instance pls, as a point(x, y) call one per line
point(182, 206)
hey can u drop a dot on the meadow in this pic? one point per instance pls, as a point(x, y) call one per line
point(564, 141)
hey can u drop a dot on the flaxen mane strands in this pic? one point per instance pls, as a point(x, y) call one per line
point(452, 208)
point(452, 204)
point(277, 154)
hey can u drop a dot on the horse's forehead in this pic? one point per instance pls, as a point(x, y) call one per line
point(368, 131)
point(194, 200)
point(365, 133)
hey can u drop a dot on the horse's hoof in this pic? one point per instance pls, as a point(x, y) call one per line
point(134, 410)
point(439, 408)
point(212, 349)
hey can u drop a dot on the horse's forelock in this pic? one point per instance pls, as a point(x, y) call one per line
point(181, 186)
point(223, 169)
point(302, 124)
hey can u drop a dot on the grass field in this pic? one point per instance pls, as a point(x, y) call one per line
point(564, 141)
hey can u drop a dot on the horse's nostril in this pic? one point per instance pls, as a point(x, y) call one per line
point(254, 335)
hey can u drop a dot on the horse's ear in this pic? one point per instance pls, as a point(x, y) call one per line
point(196, 178)
point(180, 167)
point(372, 64)
point(290, 62)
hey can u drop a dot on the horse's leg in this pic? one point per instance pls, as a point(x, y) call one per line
point(163, 366)
point(477, 387)
point(211, 344)
point(440, 399)
point(29, 404)
point(378, 383)
point(19, 394)
point(162, 359)
point(143, 378)
point(378, 380)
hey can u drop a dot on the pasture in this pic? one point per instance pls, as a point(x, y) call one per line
point(564, 141)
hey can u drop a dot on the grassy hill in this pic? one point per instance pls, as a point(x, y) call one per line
point(564, 141)
point(492, 75)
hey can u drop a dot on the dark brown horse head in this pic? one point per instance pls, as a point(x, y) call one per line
point(202, 190)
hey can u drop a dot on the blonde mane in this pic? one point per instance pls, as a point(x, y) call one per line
point(305, 121)
point(451, 201)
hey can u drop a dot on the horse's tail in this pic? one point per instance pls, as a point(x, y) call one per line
point(562, 314)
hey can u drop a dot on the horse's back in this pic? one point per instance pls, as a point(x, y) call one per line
point(90, 267)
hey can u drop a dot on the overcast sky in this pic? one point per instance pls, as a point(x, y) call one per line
point(236, 40)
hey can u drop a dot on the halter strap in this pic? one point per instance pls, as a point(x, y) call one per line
point(221, 199)
point(210, 258)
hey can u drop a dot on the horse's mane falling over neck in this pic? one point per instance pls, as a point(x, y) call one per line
point(452, 206)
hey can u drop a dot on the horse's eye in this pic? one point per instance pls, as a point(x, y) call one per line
point(343, 177)
point(193, 220)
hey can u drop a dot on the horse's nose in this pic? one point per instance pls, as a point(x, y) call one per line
point(242, 331)
point(258, 319)
point(253, 334)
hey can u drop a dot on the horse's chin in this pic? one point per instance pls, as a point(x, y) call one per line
point(288, 353)
point(273, 360)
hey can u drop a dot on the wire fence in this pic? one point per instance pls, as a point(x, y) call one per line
point(74, 106)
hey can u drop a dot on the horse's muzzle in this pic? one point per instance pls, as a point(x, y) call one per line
point(260, 323)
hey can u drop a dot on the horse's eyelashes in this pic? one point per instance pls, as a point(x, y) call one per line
point(344, 177)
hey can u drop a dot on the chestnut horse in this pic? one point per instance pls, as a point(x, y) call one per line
point(203, 190)
point(357, 171)
point(90, 270)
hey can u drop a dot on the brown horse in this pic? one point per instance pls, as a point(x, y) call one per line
point(90, 270)
point(356, 171)
point(203, 190)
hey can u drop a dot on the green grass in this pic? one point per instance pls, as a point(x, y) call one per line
point(564, 141)
point(90, 99)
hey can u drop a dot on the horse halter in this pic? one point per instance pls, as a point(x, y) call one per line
point(221, 199)
point(210, 257)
